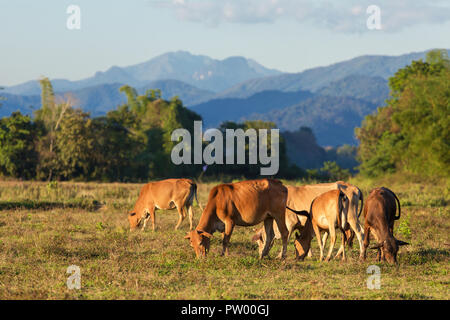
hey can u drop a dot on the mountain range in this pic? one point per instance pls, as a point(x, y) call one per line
point(332, 100)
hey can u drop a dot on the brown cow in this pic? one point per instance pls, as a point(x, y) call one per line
point(300, 199)
point(379, 218)
point(326, 213)
point(244, 203)
point(165, 195)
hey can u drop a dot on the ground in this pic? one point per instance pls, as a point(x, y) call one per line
point(46, 227)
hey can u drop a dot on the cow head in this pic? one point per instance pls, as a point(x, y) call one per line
point(199, 240)
point(258, 238)
point(134, 220)
point(302, 242)
point(389, 247)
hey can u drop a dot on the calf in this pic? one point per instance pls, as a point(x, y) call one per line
point(245, 203)
point(165, 194)
point(326, 213)
point(379, 217)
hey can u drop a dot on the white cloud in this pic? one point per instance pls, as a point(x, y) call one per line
point(342, 16)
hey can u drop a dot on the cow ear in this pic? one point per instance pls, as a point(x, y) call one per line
point(377, 246)
point(401, 243)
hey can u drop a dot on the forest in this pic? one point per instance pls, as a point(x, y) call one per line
point(132, 143)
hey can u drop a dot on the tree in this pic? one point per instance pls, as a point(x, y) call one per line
point(48, 118)
point(333, 172)
point(1, 98)
point(75, 146)
point(17, 155)
point(411, 133)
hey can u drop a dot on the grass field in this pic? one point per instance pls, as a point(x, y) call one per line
point(44, 228)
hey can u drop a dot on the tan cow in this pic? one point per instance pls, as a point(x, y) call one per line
point(244, 203)
point(326, 214)
point(164, 195)
point(300, 199)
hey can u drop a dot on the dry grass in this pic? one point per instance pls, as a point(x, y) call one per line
point(45, 228)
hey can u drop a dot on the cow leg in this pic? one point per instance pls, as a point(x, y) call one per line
point(340, 251)
point(149, 214)
point(366, 242)
point(269, 236)
point(359, 234)
point(332, 231)
point(319, 241)
point(191, 216)
point(182, 215)
point(281, 223)
point(229, 226)
point(146, 217)
point(325, 238)
point(342, 248)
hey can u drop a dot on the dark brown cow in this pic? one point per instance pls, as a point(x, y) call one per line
point(379, 217)
point(245, 203)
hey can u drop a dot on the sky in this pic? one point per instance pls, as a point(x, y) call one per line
point(288, 35)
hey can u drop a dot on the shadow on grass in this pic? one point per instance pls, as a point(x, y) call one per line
point(422, 256)
point(86, 204)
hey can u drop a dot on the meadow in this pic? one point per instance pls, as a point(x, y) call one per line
point(46, 227)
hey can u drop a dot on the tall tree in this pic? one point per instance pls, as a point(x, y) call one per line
point(411, 133)
point(17, 155)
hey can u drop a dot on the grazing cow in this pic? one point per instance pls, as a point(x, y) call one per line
point(244, 203)
point(379, 217)
point(165, 195)
point(326, 213)
point(300, 199)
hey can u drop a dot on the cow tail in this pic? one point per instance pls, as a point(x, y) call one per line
point(195, 195)
point(342, 198)
point(398, 202)
point(362, 203)
point(300, 213)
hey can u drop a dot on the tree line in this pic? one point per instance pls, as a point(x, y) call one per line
point(131, 143)
point(411, 133)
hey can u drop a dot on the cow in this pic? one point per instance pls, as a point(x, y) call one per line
point(300, 199)
point(244, 203)
point(379, 217)
point(165, 195)
point(326, 214)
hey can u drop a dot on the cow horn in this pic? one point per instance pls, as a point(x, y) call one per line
point(204, 233)
point(377, 246)
point(401, 243)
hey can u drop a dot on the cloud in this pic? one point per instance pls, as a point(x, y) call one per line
point(343, 16)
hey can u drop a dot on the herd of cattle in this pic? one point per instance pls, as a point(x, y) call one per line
point(310, 209)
